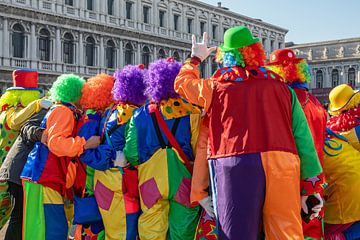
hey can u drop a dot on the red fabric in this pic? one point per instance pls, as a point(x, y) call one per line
point(335, 231)
point(345, 121)
point(25, 79)
point(206, 228)
point(130, 189)
point(237, 74)
point(250, 116)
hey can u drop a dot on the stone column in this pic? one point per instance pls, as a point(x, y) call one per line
point(138, 54)
point(80, 53)
point(58, 49)
point(117, 8)
point(121, 55)
point(32, 46)
point(101, 53)
point(343, 75)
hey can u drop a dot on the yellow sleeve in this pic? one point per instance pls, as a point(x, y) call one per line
point(195, 125)
point(16, 117)
point(59, 127)
point(353, 137)
point(190, 86)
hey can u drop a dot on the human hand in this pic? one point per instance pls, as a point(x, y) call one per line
point(120, 160)
point(207, 205)
point(201, 50)
point(92, 142)
point(315, 210)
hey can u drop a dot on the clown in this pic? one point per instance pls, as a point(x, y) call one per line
point(257, 134)
point(163, 156)
point(49, 171)
point(116, 188)
point(341, 165)
point(295, 72)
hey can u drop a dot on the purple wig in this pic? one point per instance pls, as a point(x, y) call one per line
point(129, 85)
point(160, 78)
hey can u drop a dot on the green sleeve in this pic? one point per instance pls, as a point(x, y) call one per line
point(309, 161)
point(131, 145)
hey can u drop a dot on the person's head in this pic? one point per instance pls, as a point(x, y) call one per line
point(97, 92)
point(67, 88)
point(343, 98)
point(24, 91)
point(160, 79)
point(241, 49)
point(293, 70)
point(129, 85)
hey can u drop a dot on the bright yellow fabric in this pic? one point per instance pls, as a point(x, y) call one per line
point(16, 117)
point(195, 120)
point(281, 212)
point(176, 108)
point(353, 138)
point(51, 196)
point(114, 218)
point(125, 112)
point(342, 172)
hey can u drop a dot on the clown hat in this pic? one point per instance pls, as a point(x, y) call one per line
point(237, 37)
point(283, 56)
point(25, 79)
point(341, 97)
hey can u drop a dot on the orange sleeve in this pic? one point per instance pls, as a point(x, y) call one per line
point(190, 86)
point(200, 179)
point(59, 127)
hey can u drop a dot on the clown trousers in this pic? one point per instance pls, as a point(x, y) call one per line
point(254, 190)
point(164, 184)
point(44, 213)
point(117, 196)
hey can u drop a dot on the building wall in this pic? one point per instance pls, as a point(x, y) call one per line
point(60, 19)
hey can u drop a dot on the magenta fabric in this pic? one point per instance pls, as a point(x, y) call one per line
point(150, 193)
point(183, 194)
point(335, 231)
point(103, 195)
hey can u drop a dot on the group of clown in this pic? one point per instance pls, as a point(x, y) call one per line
point(160, 153)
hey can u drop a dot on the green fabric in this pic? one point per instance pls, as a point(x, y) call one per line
point(6, 204)
point(89, 185)
point(131, 146)
point(34, 218)
point(237, 37)
point(101, 235)
point(309, 161)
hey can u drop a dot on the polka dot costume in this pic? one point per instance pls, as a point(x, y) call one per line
point(7, 137)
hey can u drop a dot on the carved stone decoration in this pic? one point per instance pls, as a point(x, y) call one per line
point(325, 53)
point(310, 54)
point(340, 52)
point(357, 52)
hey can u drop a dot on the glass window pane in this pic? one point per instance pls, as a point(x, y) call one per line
point(110, 7)
point(176, 22)
point(128, 10)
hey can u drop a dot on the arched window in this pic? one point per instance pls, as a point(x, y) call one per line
point(18, 41)
point(129, 52)
point(110, 7)
point(176, 56)
point(335, 77)
point(319, 79)
point(110, 54)
point(90, 51)
point(351, 77)
point(44, 45)
point(145, 56)
point(68, 50)
point(161, 54)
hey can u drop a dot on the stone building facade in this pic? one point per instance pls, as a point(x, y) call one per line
point(332, 63)
point(87, 37)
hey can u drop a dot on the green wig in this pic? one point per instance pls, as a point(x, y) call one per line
point(67, 88)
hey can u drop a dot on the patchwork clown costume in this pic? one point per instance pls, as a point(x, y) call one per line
point(296, 73)
point(164, 171)
point(341, 165)
point(257, 135)
point(49, 173)
point(116, 188)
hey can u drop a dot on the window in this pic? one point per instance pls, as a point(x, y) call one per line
point(90, 5)
point(319, 79)
point(161, 54)
point(351, 77)
point(214, 31)
point(202, 28)
point(129, 10)
point(110, 54)
point(18, 41)
point(272, 45)
point(176, 22)
point(176, 56)
point(189, 25)
point(110, 7)
point(90, 52)
point(69, 2)
point(44, 45)
point(162, 18)
point(129, 52)
point(202, 69)
point(279, 45)
point(225, 29)
point(146, 56)
point(146, 11)
point(335, 77)
point(68, 51)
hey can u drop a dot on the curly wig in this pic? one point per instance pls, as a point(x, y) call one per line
point(15, 97)
point(293, 72)
point(67, 88)
point(160, 79)
point(248, 56)
point(129, 85)
point(96, 93)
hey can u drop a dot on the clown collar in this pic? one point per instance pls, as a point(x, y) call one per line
point(238, 74)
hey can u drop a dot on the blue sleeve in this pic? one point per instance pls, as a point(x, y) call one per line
point(100, 158)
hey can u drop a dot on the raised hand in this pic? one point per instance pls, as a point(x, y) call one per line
point(201, 50)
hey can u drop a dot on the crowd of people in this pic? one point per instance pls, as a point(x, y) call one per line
point(160, 153)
